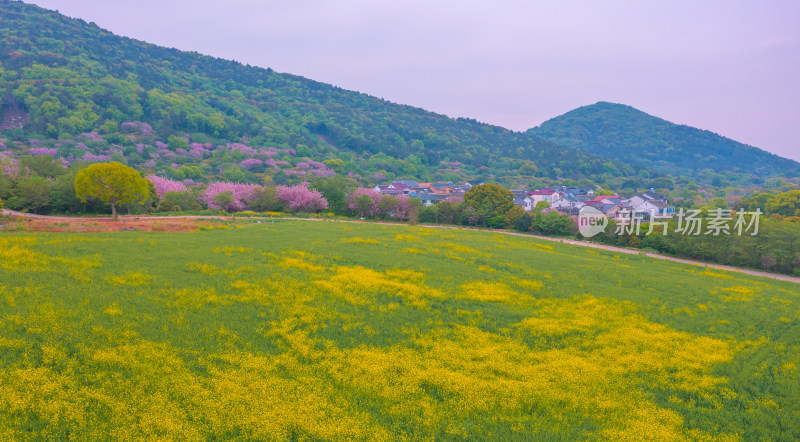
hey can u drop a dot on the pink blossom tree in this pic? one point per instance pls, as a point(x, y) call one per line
point(92, 158)
point(365, 202)
point(241, 195)
point(243, 148)
point(9, 166)
point(403, 208)
point(300, 198)
point(92, 136)
point(143, 129)
point(251, 163)
point(164, 185)
point(43, 151)
point(197, 151)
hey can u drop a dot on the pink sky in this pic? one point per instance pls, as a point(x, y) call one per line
point(731, 67)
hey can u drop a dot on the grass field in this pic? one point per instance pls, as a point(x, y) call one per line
point(321, 330)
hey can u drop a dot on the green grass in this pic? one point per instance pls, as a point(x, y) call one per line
point(328, 330)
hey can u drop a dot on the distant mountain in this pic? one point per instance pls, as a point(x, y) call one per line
point(70, 86)
point(627, 134)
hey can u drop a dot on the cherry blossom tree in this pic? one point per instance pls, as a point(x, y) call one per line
point(251, 163)
point(365, 202)
point(300, 198)
point(43, 151)
point(242, 195)
point(164, 185)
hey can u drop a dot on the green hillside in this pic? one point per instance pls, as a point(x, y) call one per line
point(333, 331)
point(627, 134)
point(64, 77)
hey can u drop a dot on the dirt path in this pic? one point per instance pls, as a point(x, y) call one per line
point(136, 218)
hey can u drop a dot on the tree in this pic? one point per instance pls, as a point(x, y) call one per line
point(523, 222)
point(489, 200)
point(413, 205)
point(540, 206)
point(178, 200)
point(334, 189)
point(224, 199)
point(62, 194)
point(235, 174)
point(365, 202)
point(265, 200)
point(176, 143)
point(512, 215)
point(429, 214)
point(363, 206)
point(32, 192)
point(300, 198)
point(717, 203)
point(335, 164)
point(784, 204)
point(388, 206)
point(43, 165)
point(243, 195)
point(112, 183)
point(164, 185)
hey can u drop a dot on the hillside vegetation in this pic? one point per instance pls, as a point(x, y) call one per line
point(320, 330)
point(66, 78)
point(627, 134)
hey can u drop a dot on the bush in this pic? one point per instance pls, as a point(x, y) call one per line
point(429, 214)
point(524, 222)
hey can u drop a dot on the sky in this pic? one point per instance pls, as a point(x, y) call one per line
point(731, 67)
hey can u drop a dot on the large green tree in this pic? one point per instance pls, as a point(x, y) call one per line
point(490, 201)
point(113, 183)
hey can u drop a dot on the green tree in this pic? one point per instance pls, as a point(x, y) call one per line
point(489, 200)
point(177, 201)
point(336, 165)
point(512, 215)
point(112, 183)
point(32, 192)
point(174, 143)
point(265, 200)
point(363, 204)
point(429, 214)
point(414, 205)
point(43, 165)
point(62, 195)
point(224, 199)
point(334, 189)
point(717, 203)
point(235, 174)
point(784, 204)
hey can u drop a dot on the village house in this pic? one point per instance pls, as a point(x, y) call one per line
point(430, 199)
point(575, 191)
point(522, 199)
point(547, 195)
point(569, 201)
point(642, 205)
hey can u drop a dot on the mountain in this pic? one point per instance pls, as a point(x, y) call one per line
point(627, 134)
point(82, 92)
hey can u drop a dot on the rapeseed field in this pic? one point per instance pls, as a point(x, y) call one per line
point(331, 331)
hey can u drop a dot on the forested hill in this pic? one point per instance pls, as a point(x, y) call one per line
point(64, 77)
point(624, 133)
